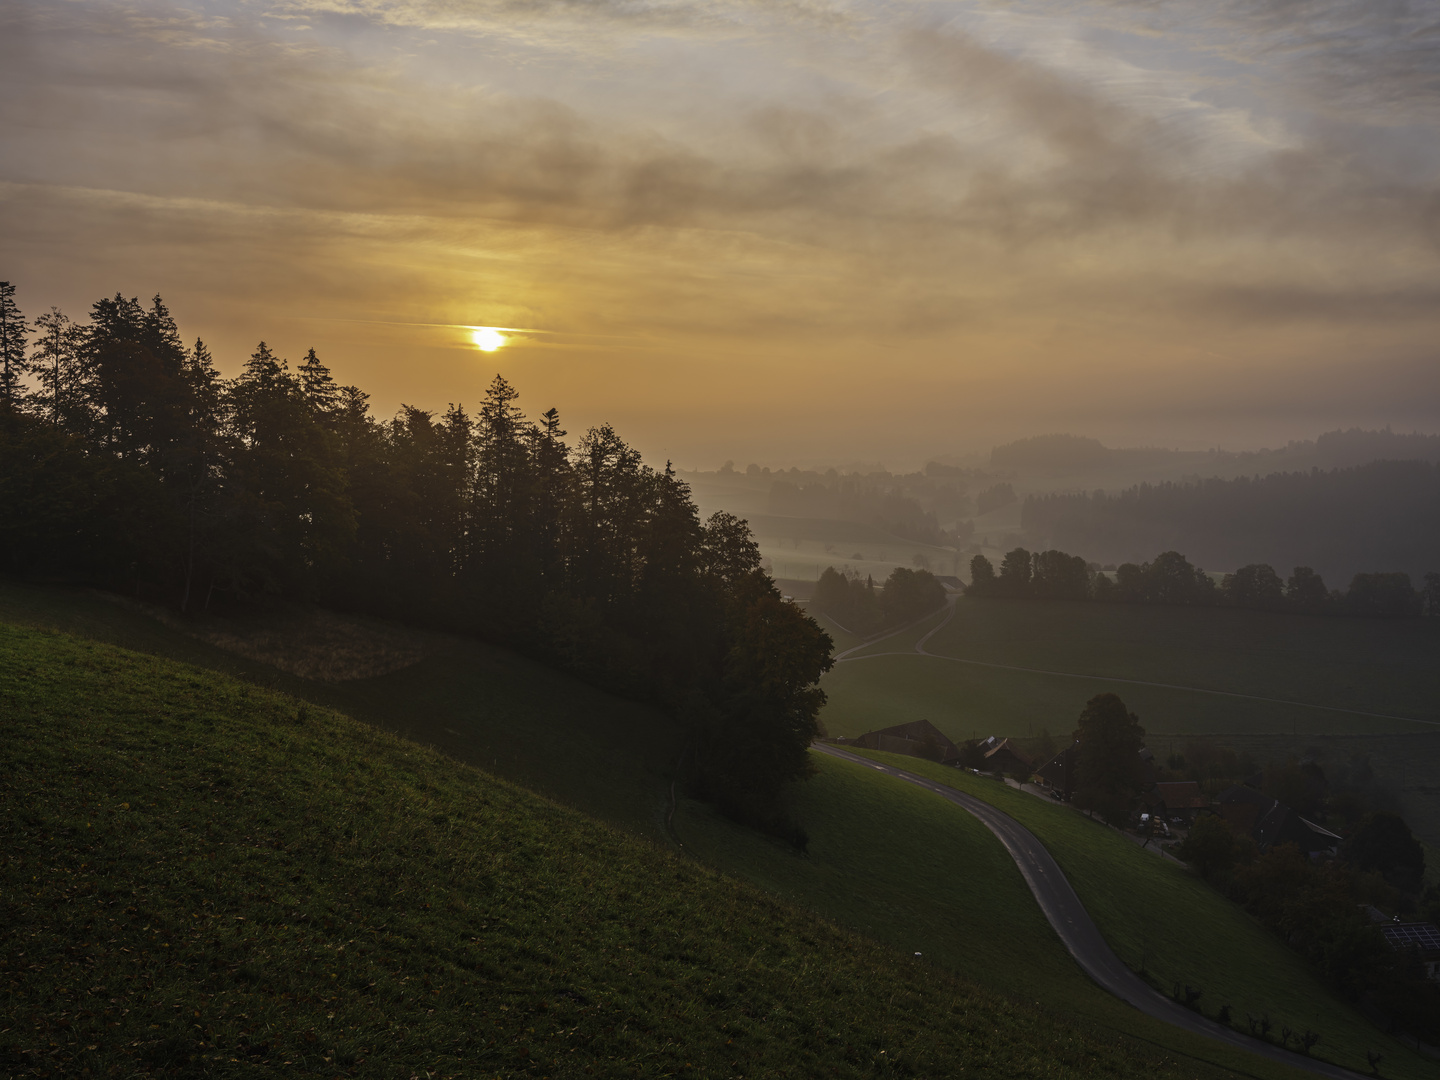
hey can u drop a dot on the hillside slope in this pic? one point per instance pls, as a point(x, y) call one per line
point(202, 877)
point(1162, 920)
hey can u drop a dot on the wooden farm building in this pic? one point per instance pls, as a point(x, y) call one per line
point(919, 738)
point(1001, 756)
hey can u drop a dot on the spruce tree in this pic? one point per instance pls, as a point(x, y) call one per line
point(13, 331)
point(58, 362)
point(319, 388)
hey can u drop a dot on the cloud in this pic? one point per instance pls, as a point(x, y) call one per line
point(554, 21)
point(1013, 190)
point(1361, 59)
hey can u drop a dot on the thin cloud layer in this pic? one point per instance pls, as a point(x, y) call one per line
point(1103, 187)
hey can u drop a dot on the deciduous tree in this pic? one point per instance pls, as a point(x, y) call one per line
point(1109, 773)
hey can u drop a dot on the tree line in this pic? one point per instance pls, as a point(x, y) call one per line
point(1170, 578)
point(1067, 455)
point(859, 608)
point(127, 461)
point(1341, 521)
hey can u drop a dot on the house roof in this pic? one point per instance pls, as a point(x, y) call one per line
point(1004, 746)
point(1282, 825)
point(1181, 795)
point(1320, 830)
point(914, 732)
point(915, 729)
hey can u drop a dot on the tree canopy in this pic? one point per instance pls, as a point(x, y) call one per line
point(127, 461)
point(1109, 773)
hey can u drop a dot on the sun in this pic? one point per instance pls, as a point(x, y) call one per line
point(487, 338)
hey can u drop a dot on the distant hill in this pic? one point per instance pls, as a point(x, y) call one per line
point(1071, 455)
point(1060, 454)
point(1382, 516)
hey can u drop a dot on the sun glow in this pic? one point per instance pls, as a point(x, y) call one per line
point(487, 338)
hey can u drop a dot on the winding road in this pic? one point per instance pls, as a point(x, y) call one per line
point(1079, 933)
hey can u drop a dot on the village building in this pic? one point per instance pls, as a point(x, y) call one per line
point(1270, 822)
point(1181, 799)
point(1001, 756)
point(1058, 774)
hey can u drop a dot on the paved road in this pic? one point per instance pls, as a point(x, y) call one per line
point(1081, 936)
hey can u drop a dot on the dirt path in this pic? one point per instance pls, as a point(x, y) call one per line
point(1080, 934)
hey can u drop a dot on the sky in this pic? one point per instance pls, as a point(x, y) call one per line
point(782, 231)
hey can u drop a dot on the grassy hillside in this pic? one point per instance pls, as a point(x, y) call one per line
point(1368, 665)
point(488, 706)
point(199, 876)
point(1160, 918)
point(924, 876)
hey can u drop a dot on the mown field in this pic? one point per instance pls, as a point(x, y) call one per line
point(1160, 918)
point(202, 877)
point(1344, 675)
point(1348, 680)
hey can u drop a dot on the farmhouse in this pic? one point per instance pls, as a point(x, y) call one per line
point(1270, 822)
point(1423, 938)
point(1178, 798)
point(919, 738)
point(1058, 774)
point(1002, 757)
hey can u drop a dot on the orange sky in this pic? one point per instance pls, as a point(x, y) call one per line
point(784, 232)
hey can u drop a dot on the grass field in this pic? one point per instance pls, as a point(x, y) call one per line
point(883, 861)
point(477, 703)
point(1385, 668)
point(1159, 917)
point(1364, 665)
point(201, 877)
point(924, 876)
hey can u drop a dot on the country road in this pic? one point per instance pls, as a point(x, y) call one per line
point(1079, 933)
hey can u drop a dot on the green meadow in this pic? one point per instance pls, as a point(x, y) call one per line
point(1220, 669)
point(922, 875)
point(204, 877)
point(1167, 923)
point(95, 728)
point(477, 703)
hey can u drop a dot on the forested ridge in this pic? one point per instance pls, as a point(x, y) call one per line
point(128, 462)
point(1171, 579)
point(1382, 516)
